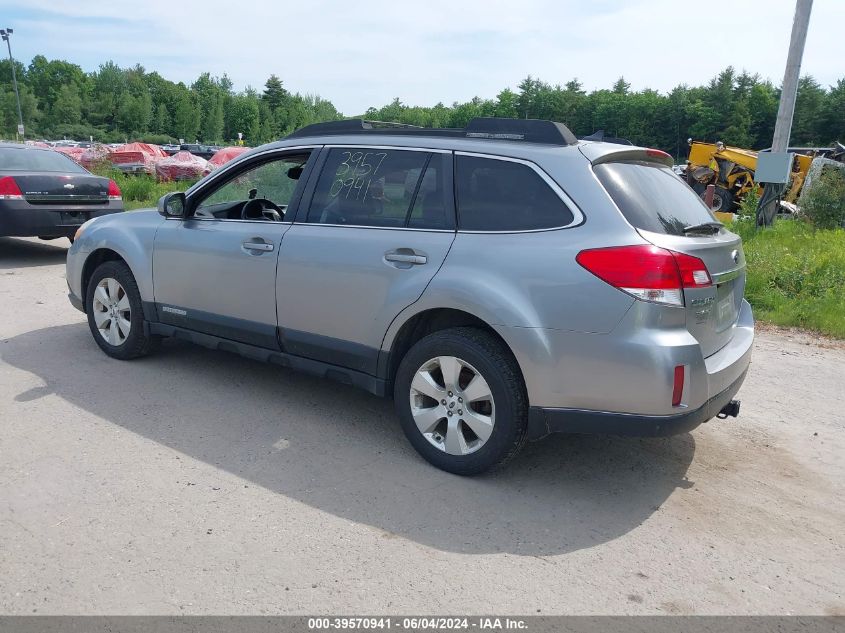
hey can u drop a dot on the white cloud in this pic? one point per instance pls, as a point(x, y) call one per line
point(365, 53)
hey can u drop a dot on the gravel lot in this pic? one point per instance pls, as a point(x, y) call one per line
point(197, 482)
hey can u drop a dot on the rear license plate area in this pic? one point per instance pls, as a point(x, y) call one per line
point(725, 305)
point(74, 217)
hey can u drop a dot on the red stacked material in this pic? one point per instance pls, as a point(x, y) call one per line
point(93, 155)
point(223, 156)
point(181, 166)
point(137, 157)
point(74, 153)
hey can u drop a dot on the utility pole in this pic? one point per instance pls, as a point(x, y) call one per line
point(789, 91)
point(767, 207)
point(5, 33)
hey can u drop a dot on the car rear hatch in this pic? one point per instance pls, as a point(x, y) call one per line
point(63, 189)
point(667, 213)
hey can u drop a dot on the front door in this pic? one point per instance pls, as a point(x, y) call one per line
point(376, 230)
point(215, 271)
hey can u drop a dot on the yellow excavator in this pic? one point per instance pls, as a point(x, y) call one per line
point(731, 170)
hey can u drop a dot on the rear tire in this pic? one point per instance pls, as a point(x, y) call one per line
point(457, 422)
point(115, 312)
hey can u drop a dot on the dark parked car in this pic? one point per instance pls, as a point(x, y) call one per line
point(203, 151)
point(45, 194)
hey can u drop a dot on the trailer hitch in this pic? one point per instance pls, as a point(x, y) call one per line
point(731, 409)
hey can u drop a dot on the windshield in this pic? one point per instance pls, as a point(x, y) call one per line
point(652, 197)
point(19, 159)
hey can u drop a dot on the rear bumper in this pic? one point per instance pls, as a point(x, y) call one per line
point(622, 382)
point(543, 421)
point(18, 218)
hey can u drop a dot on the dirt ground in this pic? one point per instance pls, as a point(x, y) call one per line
point(197, 482)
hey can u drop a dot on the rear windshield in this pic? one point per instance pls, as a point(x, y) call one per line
point(14, 159)
point(652, 197)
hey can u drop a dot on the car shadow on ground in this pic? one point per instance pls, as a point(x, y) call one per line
point(341, 450)
point(23, 253)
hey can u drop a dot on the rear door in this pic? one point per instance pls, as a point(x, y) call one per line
point(665, 211)
point(377, 227)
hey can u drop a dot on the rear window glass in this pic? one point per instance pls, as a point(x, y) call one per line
point(14, 159)
point(499, 195)
point(652, 197)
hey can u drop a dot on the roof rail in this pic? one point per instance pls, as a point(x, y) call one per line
point(497, 129)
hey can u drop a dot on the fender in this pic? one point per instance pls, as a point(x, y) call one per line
point(130, 235)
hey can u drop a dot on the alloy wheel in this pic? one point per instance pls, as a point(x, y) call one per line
point(452, 405)
point(112, 311)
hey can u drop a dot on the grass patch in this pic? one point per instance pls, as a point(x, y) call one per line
point(796, 275)
point(144, 191)
point(141, 191)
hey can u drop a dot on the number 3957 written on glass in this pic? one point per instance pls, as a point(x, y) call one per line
point(356, 173)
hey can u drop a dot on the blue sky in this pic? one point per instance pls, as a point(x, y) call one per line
point(364, 53)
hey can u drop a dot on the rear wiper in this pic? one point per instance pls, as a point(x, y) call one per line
point(704, 227)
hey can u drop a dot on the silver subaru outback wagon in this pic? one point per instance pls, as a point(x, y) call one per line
point(501, 282)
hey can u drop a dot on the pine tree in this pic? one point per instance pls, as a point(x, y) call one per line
point(275, 94)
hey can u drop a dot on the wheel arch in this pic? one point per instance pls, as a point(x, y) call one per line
point(99, 256)
point(420, 325)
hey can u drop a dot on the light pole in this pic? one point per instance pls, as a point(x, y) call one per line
point(5, 33)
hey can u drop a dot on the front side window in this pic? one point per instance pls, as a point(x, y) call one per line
point(501, 195)
point(262, 192)
point(381, 188)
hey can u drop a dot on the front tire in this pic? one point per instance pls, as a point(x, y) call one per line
point(115, 312)
point(461, 400)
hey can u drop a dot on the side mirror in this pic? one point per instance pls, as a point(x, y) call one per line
point(172, 205)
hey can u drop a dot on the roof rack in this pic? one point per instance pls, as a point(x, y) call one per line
point(496, 129)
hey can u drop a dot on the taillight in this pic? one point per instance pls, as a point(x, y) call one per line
point(9, 189)
point(647, 272)
point(657, 153)
point(114, 191)
point(693, 271)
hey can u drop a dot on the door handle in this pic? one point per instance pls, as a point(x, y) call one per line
point(405, 258)
point(258, 246)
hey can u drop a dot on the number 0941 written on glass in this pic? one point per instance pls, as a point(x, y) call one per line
point(355, 174)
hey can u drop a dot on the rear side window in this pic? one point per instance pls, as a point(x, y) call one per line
point(652, 198)
point(381, 188)
point(501, 195)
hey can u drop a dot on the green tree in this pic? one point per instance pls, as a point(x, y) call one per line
point(507, 103)
point(185, 118)
point(162, 123)
point(621, 87)
point(275, 94)
point(68, 105)
point(242, 117)
point(809, 113)
point(832, 118)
